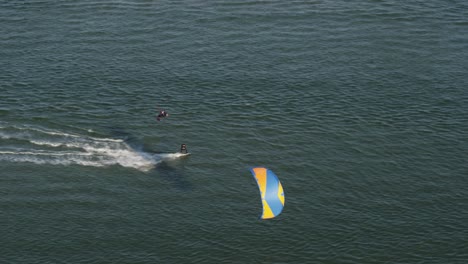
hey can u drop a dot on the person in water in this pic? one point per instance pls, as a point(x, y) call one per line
point(162, 114)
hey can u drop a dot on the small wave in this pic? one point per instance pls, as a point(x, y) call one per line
point(46, 143)
point(44, 131)
point(4, 136)
point(28, 130)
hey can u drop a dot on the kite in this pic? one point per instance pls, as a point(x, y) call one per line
point(271, 192)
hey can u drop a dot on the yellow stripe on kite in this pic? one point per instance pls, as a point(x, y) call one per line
point(267, 213)
point(281, 194)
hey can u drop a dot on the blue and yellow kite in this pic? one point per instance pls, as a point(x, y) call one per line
point(271, 192)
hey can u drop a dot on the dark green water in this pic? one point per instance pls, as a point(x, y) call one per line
point(360, 108)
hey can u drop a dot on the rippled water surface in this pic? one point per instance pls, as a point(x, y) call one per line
point(360, 108)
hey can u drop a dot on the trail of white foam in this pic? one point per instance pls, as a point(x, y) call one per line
point(98, 158)
point(72, 160)
point(43, 153)
point(69, 149)
point(63, 148)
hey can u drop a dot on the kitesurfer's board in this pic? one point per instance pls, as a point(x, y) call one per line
point(169, 156)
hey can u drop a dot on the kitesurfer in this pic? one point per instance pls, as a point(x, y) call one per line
point(183, 149)
point(162, 114)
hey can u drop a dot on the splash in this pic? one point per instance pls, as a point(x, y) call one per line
point(46, 146)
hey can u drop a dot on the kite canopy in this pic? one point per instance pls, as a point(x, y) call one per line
point(271, 192)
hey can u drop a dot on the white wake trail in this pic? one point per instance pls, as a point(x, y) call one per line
point(46, 146)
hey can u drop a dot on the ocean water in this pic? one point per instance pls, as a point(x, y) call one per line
point(360, 107)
